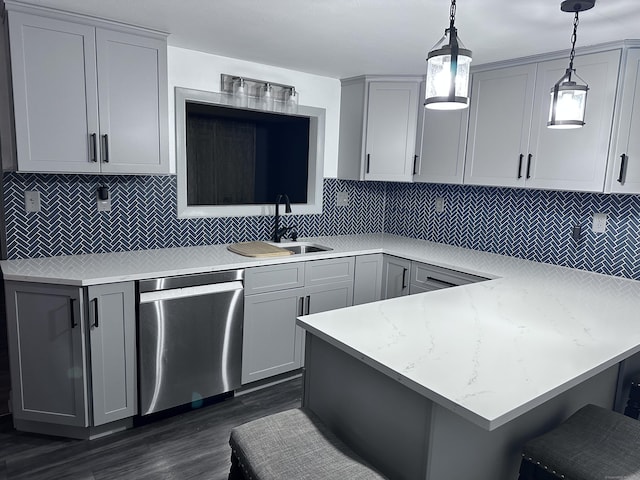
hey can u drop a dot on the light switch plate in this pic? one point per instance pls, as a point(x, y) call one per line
point(31, 201)
point(342, 199)
point(439, 205)
point(599, 222)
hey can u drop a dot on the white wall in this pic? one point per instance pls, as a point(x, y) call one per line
point(201, 71)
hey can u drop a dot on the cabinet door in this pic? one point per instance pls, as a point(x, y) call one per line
point(133, 95)
point(395, 277)
point(47, 353)
point(54, 92)
point(113, 342)
point(323, 298)
point(442, 147)
point(271, 341)
point(627, 179)
point(391, 128)
point(574, 159)
point(367, 284)
point(499, 124)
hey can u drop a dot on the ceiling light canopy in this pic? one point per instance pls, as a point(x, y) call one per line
point(568, 97)
point(448, 63)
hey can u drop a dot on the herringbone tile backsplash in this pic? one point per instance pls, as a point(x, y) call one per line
point(531, 224)
point(143, 216)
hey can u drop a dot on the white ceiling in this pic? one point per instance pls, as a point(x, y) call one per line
point(342, 38)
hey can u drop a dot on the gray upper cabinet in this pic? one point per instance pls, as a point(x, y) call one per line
point(509, 143)
point(624, 171)
point(441, 142)
point(132, 94)
point(574, 159)
point(72, 353)
point(87, 99)
point(378, 118)
point(499, 124)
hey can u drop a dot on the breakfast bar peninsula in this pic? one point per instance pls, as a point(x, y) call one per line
point(448, 385)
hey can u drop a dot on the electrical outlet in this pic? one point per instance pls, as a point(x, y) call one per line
point(32, 201)
point(342, 199)
point(439, 205)
point(599, 222)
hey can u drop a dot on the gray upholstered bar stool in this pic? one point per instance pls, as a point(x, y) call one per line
point(593, 444)
point(292, 445)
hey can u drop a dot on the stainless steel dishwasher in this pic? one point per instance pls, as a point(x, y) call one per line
point(189, 338)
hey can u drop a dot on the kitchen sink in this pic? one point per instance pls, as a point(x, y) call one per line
point(302, 247)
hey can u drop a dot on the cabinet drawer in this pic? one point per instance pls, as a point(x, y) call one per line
point(333, 270)
point(430, 277)
point(273, 277)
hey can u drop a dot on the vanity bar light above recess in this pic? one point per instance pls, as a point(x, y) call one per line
point(268, 94)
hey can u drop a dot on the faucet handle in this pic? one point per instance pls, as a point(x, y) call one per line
point(290, 231)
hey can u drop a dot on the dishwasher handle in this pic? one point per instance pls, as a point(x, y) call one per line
point(186, 292)
point(181, 281)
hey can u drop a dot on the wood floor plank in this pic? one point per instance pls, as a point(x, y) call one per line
point(189, 445)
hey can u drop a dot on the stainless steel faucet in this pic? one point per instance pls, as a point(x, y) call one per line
point(278, 232)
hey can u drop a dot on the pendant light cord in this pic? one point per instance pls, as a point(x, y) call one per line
point(452, 13)
point(574, 37)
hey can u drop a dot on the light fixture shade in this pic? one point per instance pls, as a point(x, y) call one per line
point(447, 84)
point(568, 104)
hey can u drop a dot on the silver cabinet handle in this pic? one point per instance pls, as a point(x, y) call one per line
point(301, 306)
point(308, 303)
point(404, 278)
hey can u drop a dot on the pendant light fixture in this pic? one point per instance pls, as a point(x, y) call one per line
point(568, 97)
point(448, 65)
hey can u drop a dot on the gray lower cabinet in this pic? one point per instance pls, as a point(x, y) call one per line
point(112, 333)
point(367, 284)
point(72, 353)
point(272, 342)
point(426, 278)
point(395, 276)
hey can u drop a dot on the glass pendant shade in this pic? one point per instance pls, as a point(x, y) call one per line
point(447, 84)
point(568, 103)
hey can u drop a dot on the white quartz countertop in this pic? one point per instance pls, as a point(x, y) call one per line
point(489, 351)
point(94, 269)
point(493, 350)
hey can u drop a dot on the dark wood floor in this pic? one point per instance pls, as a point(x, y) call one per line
point(191, 445)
